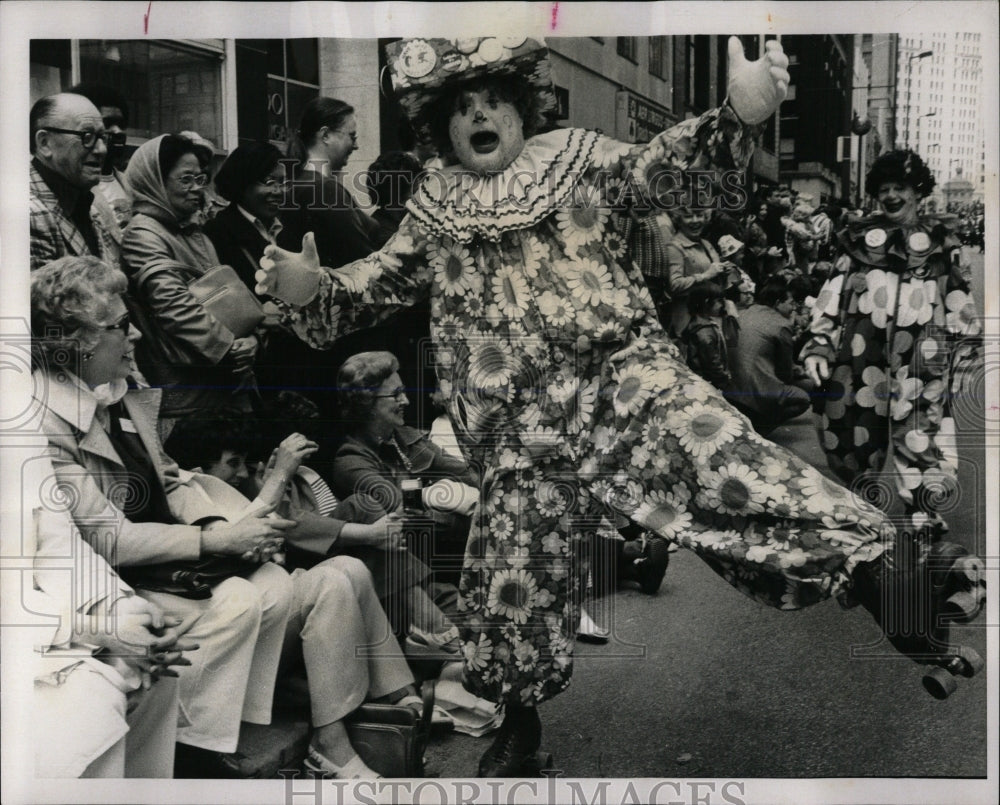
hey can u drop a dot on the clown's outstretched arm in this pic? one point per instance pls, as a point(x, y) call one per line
point(321, 304)
point(721, 139)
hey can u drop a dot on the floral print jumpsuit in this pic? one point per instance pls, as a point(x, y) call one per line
point(898, 328)
point(572, 403)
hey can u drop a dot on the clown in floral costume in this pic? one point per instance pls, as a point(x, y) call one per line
point(563, 389)
point(893, 330)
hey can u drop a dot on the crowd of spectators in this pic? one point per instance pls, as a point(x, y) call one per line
point(226, 540)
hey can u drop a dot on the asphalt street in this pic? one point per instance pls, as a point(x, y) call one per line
point(700, 681)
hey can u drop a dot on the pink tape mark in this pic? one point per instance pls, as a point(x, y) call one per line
point(145, 18)
point(555, 16)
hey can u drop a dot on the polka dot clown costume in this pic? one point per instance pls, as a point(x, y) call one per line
point(896, 330)
point(562, 387)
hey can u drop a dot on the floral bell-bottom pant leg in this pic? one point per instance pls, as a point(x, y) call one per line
point(666, 450)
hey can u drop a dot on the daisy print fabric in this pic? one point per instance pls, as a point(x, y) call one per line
point(569, 398)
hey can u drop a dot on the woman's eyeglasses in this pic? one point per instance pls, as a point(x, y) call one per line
point(122, 324)
point(352, 134)
point(273, 184)
point(189, 180)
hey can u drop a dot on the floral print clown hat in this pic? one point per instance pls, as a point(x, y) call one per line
point(421, 68)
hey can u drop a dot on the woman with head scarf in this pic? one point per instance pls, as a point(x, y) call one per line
point(198, 362)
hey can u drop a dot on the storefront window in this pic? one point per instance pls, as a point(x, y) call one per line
point(659, 56)
point(292, 81)
point(50, 67)
point(628, 46)
point(171, 86)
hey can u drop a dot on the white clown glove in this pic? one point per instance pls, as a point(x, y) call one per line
point(290, 277)
point(757, 88)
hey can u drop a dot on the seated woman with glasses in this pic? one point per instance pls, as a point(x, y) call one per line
point(135, 508)
point(198, 362)
point(380, 453)
point(145, 515)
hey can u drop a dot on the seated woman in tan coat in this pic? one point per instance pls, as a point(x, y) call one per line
point(140, 511)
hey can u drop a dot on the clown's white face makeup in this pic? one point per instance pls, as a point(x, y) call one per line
point(486, 132)
point(899, 202)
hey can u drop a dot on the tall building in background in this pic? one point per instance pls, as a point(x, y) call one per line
point(874, 104)
point(939, 106)
point(816, 113)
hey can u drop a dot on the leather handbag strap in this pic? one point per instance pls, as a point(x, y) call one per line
point(253, 263)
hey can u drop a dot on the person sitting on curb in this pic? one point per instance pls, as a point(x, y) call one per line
point(763, 364)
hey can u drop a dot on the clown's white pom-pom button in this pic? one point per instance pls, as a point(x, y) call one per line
point(490, 50)
point(875, 238)
point(513, 41)
point(466, 45)
point(417, 58)
point(917, 441)
point(919, 242)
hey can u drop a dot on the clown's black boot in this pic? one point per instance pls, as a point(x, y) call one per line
point(914, 593)
point(515, 751)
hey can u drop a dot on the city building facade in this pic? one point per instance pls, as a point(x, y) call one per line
point(817, 112)
point(939, 104)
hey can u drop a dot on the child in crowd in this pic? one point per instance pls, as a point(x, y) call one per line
point(705, 343)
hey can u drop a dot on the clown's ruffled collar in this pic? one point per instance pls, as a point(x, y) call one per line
point(877, 241)
point(465, 206)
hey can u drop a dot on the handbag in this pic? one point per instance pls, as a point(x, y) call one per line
point(223, 294)
point(192, 578)
point(391, 739)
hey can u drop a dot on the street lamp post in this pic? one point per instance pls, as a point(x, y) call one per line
point(909, 89)
point(931, 113)
point(860, 126)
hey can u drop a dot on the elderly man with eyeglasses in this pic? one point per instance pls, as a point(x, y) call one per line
point(68, 147)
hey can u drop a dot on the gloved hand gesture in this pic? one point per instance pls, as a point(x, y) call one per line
point(290, 277)
point(757, 88)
